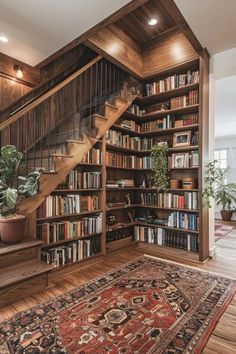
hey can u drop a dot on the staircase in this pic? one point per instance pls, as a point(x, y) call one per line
point(55, 131)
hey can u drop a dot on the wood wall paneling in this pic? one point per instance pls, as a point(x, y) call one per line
point(10, 90)
point(119, 48)
point(31, 74)
point(167, 53)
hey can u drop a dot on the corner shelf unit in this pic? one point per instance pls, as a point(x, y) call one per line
point(119, 222)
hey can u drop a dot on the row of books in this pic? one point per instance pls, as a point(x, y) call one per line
point(135, 109)
point(172, 82)
point(130, 125)
point(66, 230)
point(116, 138)
point(164, 237)
point(81, 180)
point(93, 156)
point(72, 252)
point(127, 161)
point(184, 101)
point(185, 221)
point(56, 205)
point(169, 122)
point(183, 160)
point(169, 200)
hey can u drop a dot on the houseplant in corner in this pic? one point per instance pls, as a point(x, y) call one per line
point(217, 188)
point(11, 224)
point(159, 156)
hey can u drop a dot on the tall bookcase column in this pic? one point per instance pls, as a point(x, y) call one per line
point(203, 151)
point(103, 195)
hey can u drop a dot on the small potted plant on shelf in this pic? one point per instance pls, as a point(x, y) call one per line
point(218, 188)
point(159, 156)
point(11, 224)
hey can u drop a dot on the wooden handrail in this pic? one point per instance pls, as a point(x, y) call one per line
point(32, 104)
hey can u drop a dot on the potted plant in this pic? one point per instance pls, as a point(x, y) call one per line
point(217, 188)
point(159, 155)
point(11, 224)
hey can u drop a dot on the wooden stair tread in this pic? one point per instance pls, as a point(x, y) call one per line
point(30, 243)
point(23, 271)
point(62, 155)
point(99, 116)
point(75, 141)
point(111, 106)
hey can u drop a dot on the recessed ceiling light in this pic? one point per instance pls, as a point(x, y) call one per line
point(3, 39)
point(152, 21)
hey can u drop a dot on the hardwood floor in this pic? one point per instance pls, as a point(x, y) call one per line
point(222, 340)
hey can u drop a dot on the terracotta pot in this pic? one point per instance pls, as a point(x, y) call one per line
point(12, 230)
point(174, 183)
point(226, 215)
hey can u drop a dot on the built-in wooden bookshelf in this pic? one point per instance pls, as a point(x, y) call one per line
point(118, 180)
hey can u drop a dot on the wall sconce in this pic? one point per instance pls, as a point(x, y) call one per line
point(18, 71)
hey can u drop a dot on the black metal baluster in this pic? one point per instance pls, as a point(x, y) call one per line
point(25, 129)
point(49, 141)
point(41, 136)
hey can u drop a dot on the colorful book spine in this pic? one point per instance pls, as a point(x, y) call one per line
point(165, 237)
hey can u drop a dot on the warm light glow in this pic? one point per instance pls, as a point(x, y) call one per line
point(152, 21)
point(3, 39)
point(18, 71)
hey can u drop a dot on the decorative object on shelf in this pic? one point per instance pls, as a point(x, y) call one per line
point(12, 225)
point(111, 219)
point(189, 183)
point(159, 156)
point(182, 139)
point(175, 183)
point(218, 188)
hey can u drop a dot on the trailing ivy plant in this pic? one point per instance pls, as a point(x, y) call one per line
point(159, 156)
point(10, 192)
point(216, 186)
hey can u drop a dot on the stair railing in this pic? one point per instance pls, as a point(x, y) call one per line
point(40, 127)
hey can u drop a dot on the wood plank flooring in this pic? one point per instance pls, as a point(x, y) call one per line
point(223, 338)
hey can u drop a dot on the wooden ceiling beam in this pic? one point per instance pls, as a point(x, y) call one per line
point(177, 16)
point(131, 6)
point(161, 36)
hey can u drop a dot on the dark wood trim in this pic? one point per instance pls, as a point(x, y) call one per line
point(131, 6)
point(162, 36)
point(203, 152)
point(177, 16)
point(31, 75)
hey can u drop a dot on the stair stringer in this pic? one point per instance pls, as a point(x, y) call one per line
point(77, 150)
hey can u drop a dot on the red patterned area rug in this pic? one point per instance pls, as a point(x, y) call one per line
point(145, 306)
point(221, 231)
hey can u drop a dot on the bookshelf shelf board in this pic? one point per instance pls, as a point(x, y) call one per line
point(122, 207)
point(170, 130)
point(159, 114)
point(128, 168)
point(77, 262)
point(156, 132)
point(151, 189)
point(89, 164)
point(125, 130)
point(69, 215)
point(77, 190)
point(120, 227)
point(186, 148)
point(61, 242)
point(166, 227)
point(162, 96)
point(174, 209)
point(128, 150)
point(170, 251)
point(184, 168)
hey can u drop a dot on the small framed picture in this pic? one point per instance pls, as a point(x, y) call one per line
point(182, 139)
point(179, 161)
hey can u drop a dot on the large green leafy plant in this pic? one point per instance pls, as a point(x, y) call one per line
point(10, 192)
point(217, 188)
point(159, 155)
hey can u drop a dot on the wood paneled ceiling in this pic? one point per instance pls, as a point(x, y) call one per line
point(135, 24)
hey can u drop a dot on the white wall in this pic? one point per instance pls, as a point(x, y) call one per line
point(228, 143)
point(222, 65)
